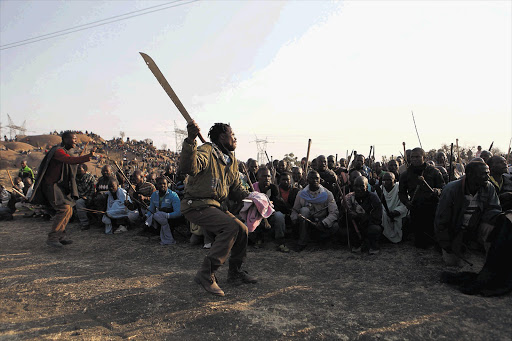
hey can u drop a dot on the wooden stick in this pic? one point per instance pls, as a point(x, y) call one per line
point(307, 159)
point(84, 148)
point(89, 210)
point(457, 150)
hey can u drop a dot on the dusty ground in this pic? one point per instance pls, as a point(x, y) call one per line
point(113, 287)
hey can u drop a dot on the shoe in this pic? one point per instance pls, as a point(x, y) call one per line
point(209, 283)
point(240, 277)
point(86, 227)
point(121, 229)
point(356, 249)
point(283, 248)
point(53, 243)
point(207, 246)
point(65, 241)
point(300, 248)
point(373, 251)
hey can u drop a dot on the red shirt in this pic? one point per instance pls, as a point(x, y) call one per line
point(54, 170)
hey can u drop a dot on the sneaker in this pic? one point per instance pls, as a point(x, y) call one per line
point(283, 248)
point(373, 251)
point(207, 246)
point(356, 249)
point(121, 229)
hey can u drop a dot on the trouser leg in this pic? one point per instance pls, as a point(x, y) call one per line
point(230, 235)
point(373, 233)
point(303, 227)
point(61, 219)
point(108, 224)
point(166, 237)
point(277, 221)
point(82, 214)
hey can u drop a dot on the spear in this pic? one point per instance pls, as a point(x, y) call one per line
point(457, 149)
point(490, 147)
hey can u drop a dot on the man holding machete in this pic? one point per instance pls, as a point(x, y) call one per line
point(213, 175)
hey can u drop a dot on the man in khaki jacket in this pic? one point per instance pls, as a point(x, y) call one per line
point(213, 175)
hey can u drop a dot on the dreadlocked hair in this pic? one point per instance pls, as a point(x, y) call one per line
point(216, 130)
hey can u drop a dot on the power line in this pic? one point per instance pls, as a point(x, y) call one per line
point(109, 21)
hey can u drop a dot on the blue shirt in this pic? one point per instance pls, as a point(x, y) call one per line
point(170, 200)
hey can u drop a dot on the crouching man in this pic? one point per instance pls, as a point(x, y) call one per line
point(315, 211)
point(164, 205)
point(466, 211)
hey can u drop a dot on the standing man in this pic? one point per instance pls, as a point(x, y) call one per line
point(56, 185)
point(25, 171)
point(419, 189)
point(213, 175)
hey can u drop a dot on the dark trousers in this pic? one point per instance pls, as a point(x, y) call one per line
point(422, 224)
point(370, 235)
point(230, 235)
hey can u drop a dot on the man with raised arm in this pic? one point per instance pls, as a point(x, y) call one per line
point(56, 186)
point(213, 176)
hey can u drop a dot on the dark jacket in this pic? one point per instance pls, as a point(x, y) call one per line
point(409, 181)
point(453, 204)
point(210, 179)
point(64, 191)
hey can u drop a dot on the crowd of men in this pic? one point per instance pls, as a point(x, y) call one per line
point(452, 206)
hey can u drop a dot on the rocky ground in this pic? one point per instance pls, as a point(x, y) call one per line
point(113, 287)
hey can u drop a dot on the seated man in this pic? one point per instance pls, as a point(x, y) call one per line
point(252, 168)
point(277, 219)
point(85, 186)
point(395, 210)
point(117, 212)
point(164, 205)
point(328, 178)
point(22, 203)
point(365, 210)
point(284, 202)
point(142, 193)
point(466, 211)
point(299, 181)
point(501, 180)
point(314, 208)
point(100, 196)
point(393, 168)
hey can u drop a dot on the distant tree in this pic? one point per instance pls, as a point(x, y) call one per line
point(164, 146)
point(291, 159)
point(122, 134)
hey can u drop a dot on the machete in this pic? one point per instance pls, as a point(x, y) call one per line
point(170, 92)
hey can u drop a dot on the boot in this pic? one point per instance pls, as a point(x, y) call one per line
point(206, 278)
point(237, 276)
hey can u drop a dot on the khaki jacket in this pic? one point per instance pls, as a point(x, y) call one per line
point(210, 179)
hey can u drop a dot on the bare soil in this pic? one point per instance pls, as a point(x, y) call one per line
point(115, 287)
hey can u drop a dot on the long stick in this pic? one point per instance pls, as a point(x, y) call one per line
point(129, 183)
point(405, 155)
point(451, 164)
point(457, 150)
point(89, 210)
point(307, 158)
point(416, 129)
point(508, 154)
point(84, 148)
point(14, 187)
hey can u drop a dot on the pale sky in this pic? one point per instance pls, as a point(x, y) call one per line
point(345, 74)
